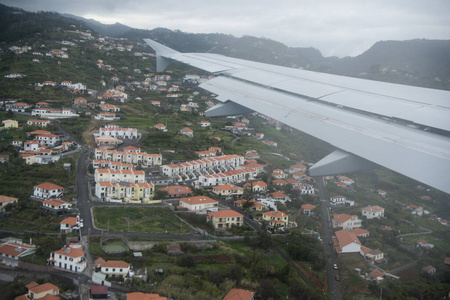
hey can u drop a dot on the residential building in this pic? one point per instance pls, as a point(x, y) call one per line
point(53, 113)
point(106, 116)
point(205, 124)
point(114, 175)
point(239, 294)
point(259, 168)
point(131, 155)
point(10, 124)
point(69, 224)
point(361, 232)
point(424, 244)
point(338, 200)
point(304, 189)
point(187, 132)
point(296, 168)
point(17, 107)
point(45, 291)
point(80, 102)
point(37, 122)
point(177, 191)
point(12, 250)
point(279, 196)
point(372, 212)
point(276, 219)
point(50, 140)
point(108, 107)
point(279, 174)
point(235, 176)
point(345, 180)
point(225, 218)
point(199, 204)
point(307, 209)
point(256, 186)
point(70, 258)
point(203, 166)
point(376, 275)
point(5, 200)
point(255, 206)
point(346, 221)
point(127, 192)
point(4, 158)
point(206, 153)
point(56, 205)
point(228, 190)
point(48, 190)
point(117, 132)
point(374, 255)
point(347, 242)
point(160, 126)
point(115, 268)
point(107, 164)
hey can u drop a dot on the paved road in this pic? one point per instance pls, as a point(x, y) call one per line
point(333, 285)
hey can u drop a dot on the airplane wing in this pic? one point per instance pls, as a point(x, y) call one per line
point(403, 128)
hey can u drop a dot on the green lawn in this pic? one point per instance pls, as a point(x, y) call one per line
point(139, 219)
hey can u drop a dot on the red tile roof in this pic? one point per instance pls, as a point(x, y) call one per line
point(198, 200)
point(48, 186)
point(71, 252)
point(239, 294)
point(227, 213)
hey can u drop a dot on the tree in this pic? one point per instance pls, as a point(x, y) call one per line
point(267, 290)
point(161, 194)
point(247, 205)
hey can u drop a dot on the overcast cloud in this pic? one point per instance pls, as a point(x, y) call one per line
point(336, 28)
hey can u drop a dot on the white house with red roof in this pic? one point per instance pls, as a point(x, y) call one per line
point(255, 206)
point(70, 258)
point(347, 242)
point(48, 139)
point(199, 204)
point(372, 212)
point(346, 221)
point(160, 126)
point(131, 155)
point(279, 174)
point(114, 268)
point(12, 250)
point(345, 180)
point(225, 218)
point(108, 107)
point(69, 224)
point(279, 196)
point(307, 209)
point(5, 200)
point(56, 205)
point(187, 132)
point(47, 190)
point(205, 124)
point(256, 186)
point(45, 291)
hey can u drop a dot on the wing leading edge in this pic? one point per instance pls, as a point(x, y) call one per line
point(368, 121)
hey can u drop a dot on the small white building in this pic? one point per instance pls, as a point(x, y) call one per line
point(199, 204)
point(115, 268)
point(372, 212)
point(338, 200)
point(56, 205)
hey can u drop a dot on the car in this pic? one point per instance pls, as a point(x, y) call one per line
point(335, 266)
point(74, 241)
point(337, 278)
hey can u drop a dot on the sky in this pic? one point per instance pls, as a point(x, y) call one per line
point(335, 27)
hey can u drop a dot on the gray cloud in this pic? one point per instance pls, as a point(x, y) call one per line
point(341, 28)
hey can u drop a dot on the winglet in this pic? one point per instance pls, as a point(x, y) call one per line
point(163, 54)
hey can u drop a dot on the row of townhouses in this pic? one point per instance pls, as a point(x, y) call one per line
point(117, 132)
point(130, 155)
point(203, 166)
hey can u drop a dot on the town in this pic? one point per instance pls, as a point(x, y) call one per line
point(117, 186)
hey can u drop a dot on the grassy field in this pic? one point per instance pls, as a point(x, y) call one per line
point(139, 219)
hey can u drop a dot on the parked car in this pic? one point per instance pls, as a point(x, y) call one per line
point(335, 266)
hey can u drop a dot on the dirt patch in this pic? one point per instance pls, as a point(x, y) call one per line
point(88, 134)
point(212, 258)
point(134, 111)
